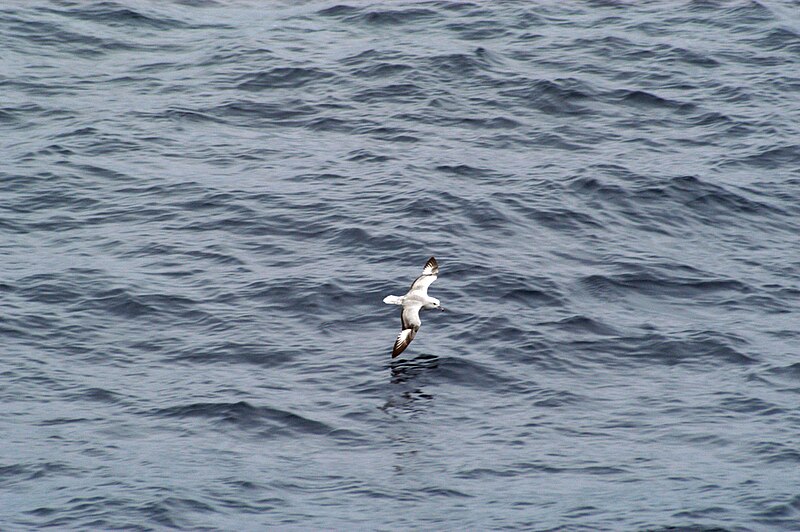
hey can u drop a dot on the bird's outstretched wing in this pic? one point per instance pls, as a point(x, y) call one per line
point(429, 274)
point(403, 339)
point(411, 324)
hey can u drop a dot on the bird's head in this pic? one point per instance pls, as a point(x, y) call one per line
point(435, 304)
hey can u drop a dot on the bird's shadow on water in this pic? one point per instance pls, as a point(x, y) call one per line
point(406, 392)
point(407, 402)
point(407, 370)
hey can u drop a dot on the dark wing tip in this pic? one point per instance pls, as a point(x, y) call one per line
point(403, 339)
point(399, 347)
point(431, 266)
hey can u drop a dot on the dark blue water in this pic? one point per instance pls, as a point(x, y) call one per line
point(203, 204)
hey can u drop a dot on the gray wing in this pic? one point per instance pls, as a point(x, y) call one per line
point(409, 317)
point(429, 274)
point(411, 324)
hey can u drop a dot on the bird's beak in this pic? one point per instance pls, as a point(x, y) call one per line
point(441, 308)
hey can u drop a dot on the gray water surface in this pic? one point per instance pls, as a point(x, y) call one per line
point(203, 204)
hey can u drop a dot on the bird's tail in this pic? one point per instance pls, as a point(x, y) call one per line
point(393, 300)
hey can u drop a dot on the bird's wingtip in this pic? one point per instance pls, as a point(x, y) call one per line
point(431, 267)
point(403, 339)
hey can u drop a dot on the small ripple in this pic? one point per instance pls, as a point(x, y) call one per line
point(258, 113)
point(768, 158)
point(648, 283)
point(281, 78)
point(777, 452)
point(232, 352)
point(531, 298)
point(381, 70)
point(790, 373)
point(113, 15)
point(461, 64)
point(127, 304)
point(356, 238)
point(455, 370)
point(563, 219)
point(10, 474)
point(99, 395)
point(556, 97)
point(644, 99)
point(266, 420)
point(690, 347)
point(519, 288)
point(584, 325)
point(16, 473)
point(362, 155)
point(392, 93)
point(378, 16)
point(463, 170)
point(525, 468)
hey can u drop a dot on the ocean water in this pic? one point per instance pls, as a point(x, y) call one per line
point(203, 204)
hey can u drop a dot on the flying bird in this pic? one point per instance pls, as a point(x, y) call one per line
point(415, 300)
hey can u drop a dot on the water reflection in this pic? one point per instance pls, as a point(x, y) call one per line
point(406, 393)
point(409, 401)
point(405, 370)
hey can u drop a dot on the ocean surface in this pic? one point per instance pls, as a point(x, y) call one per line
point(203, 204)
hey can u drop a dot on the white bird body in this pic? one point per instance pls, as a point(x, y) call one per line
point(415, 300)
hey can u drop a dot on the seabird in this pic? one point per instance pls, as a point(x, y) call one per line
point(416, 299)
